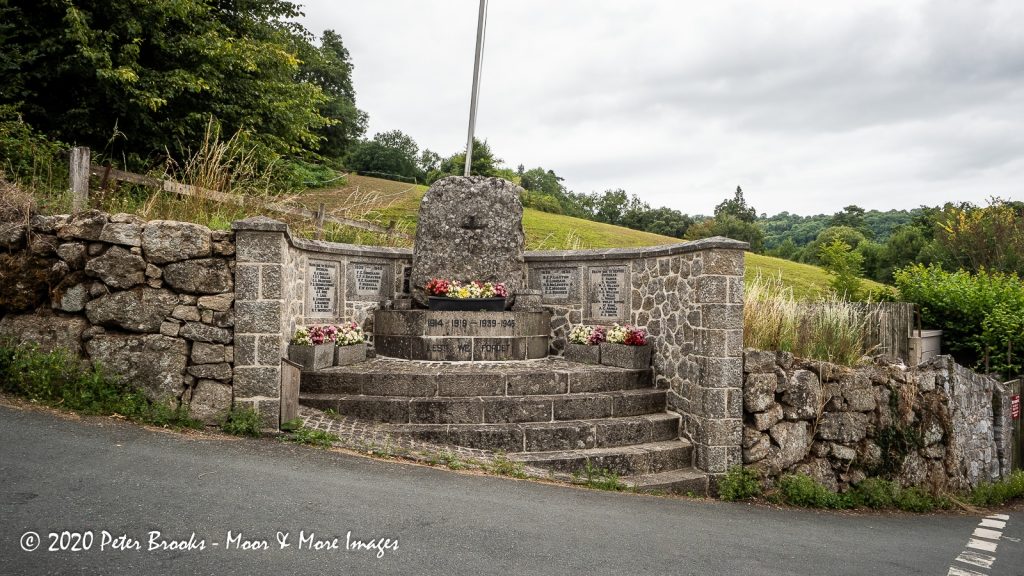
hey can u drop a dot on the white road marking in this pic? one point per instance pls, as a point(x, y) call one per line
point(976, 559)
point(981, 545)
point(998, 516)
point(989, 523)
point(954, 571)
point(986, 533)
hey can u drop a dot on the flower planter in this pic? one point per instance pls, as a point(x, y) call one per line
point(446, 304)
point(634, 357)
point(312, 357)
point(351, 354)
point(583, 353)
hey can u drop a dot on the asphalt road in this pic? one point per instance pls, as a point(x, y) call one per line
point(93, 475)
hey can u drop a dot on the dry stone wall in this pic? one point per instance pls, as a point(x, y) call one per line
point(150, 301)
point(934, 425)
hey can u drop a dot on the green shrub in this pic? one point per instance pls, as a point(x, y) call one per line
point(739, 483)
point(875, 493)
point(981, 315)
point(312, 437)
point(999, 493)
point(242, 422)
point(502, 466)
point(802, 490)
point(60, 380)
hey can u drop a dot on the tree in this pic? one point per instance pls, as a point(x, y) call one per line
point(392, 155)
point(737, 208)
point(330, 68)
point(989, 238)
point(844, 234)
point(484, 163)
point(155, 72)
point(851, 216)
point(844, 264)
point(729, 226)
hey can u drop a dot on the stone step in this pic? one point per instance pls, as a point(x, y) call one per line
point(491, 409)
point(635, 460)
point(681, 481)
point(392, 377)
point(548, 436)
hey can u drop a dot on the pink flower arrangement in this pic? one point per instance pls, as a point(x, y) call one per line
point(628, 335)
point(472, 289)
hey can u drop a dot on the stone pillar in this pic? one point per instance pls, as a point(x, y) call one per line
point(261, 336)
point(718, 353)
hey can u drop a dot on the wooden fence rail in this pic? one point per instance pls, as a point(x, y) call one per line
point(107, 174)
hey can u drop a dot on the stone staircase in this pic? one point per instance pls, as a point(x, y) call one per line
point(546, 413)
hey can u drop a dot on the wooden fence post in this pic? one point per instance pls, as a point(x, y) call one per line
point(79, 172)
point(320, 213)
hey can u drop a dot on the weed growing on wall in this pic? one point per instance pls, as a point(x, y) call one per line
point(739, 483)
point(242, 422)
point(60, 380)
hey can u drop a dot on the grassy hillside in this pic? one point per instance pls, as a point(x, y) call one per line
point(807, 281)
point(384, 201)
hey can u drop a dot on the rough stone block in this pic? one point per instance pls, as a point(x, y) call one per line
point(118, 268)
point(206, 276)
point(139, 310)
point(448, 411)
point(199, 332)
point(124, 233)
point(768, 418)
point(622, 356)
point(247, 282)
point(803, 396)
point(152, 362)
point(165, 241)
point(723, 317)
point(47, 330)
point(843, 427)
point(186, 313)
point(218, 303)
point(259, 247)
point(258, 317)
point(170, 329)
point(724, 262)
point(250, 381)
point(204, 353)
point(211, 400)
point(538, 383)
point(759, 392)
point(713, 290)
point(270, 281)
point(221, 372)
point(720, 372)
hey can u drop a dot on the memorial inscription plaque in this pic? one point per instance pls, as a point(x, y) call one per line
point(322, 289)
point(556, 283)
point(607, 294)
point(368, 278)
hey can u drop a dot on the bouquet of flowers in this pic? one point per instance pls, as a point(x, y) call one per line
point(462, 290)
point(315, 335)
point(349, 333)
point(628, 335)
point(589, 335)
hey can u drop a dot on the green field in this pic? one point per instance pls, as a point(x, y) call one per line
point(807, 281)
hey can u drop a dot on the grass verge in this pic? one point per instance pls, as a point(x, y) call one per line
point(59, 380)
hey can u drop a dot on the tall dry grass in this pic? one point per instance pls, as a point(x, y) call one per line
point(831, 329)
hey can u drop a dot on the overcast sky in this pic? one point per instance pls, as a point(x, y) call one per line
point(810, 106)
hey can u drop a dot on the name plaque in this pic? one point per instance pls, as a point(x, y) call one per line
point(556, 283)
point(322, 290)
point(369, 278)
point(608, 293)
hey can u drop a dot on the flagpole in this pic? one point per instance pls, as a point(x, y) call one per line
point(477, 64)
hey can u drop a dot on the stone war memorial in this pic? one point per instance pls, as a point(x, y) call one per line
point(446, 372)
point(626, 360)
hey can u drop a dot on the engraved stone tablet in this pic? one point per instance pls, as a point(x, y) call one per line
point(607, 296)
point(556, 283)
point(368, 278)
point(322, 289)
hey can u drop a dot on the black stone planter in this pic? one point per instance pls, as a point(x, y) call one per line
point(446, 304)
